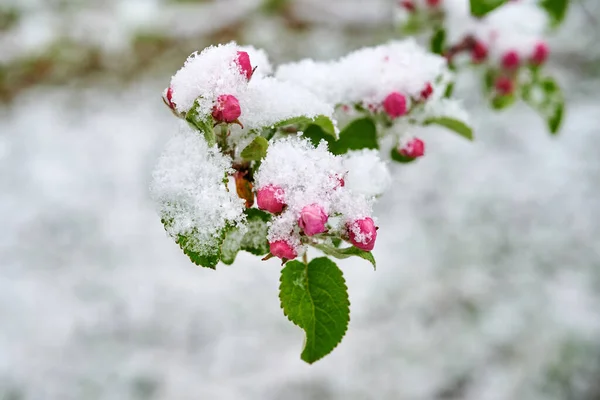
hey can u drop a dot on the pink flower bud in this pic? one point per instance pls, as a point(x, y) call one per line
point(282, 249)
point(227, 109)
point(270, 198)
point(540, 53)
point(433, 3)
point(312, 219)
point(362, 233)
point(479, 52)
point(408, 5)
point(243, 60)
point(169, 98)
point(504, 85)
point(510, 59)
point(413, 148)
point(427, 91)
point(395, 105)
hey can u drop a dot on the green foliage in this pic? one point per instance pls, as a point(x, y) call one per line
point(454, 125)
point(556, 9)
point(254, 240)
point(359, 134)
point(322, 121)
point(256, 150)
point(501, 102)
point(480, 8)
point(395, 156)
point(545, 96)
point(203, 123)
point(438, 41)
point(347, 252)
point(315, 297)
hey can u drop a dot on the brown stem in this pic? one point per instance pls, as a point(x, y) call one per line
point(467, 44)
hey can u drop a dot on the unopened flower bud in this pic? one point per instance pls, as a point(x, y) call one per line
point(168, 97)
point(282, 249)
point(540, 53)
point(427, 91)
point(312, 219)
point(270, 198)
point(504, 85)
point(479, 52)
point(227, 109)
point(243, 60)
point(433, 3)
point(395, 105)
point(413, 148)
point(362, 233)
point(408, 5)
point(510, 59)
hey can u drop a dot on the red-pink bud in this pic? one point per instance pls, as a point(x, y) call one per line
point(243, 60)
point(408, 5)
point(227, 109)
point(282, 249)
point(312, 219)
point(169, 98)
point(427, 91)
point(362, 233)
point(338, 181)
point(504, 85)
point(270, 198)
point(540, 53)
point(479, 52)
point(395, 105)
point(511, 59)
point(433, 3)
point(413, 148)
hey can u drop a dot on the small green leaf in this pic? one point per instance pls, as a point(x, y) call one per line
point(548, 101)
point(254, 240)
point(359, 134)
point(208, 260)
point(395, 156)
point(204, 123)
point(320, 120)
point(256, 150)
point(347, 252)
point(556, 9)
point(438, 41)
point(315, 133)
point(449, 90)
point(488, 79)
point(480, 8)
point(555, 120)
point(502, 102)
point(455, 125)
point(315, 297)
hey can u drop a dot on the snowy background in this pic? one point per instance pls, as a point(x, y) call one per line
point(488, 284)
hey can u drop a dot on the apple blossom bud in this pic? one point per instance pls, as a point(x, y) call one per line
point(168, 97)
point(270, 198)
point(282, 249)
point(395, 105)
point(227, 109)
point(479, 52)
point(540, 53)
point(312, 219)
point(433, 3)
point(362, 233)
point(413, 148)
point(408, 5)
point(243, 60)
point(427, 91)
point(504, 85)
point(510, 59)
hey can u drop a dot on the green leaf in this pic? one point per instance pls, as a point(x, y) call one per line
point(204, 123)
point(315, 133)
point(488, 79)
point(549, 101)
point(395, 156)
point(480, 8)
point(449, 90)
point(502, 102)
point(256, 150)
point(207, 260)
point(556, 9)
point(315, 297)
point(347, 252)
point(438, 41)
point(320, 120)
point(254, 240)
point(554, 121)
point(359, 134)
point(455, 125)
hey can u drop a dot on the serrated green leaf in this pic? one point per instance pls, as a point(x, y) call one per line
point(203, 260)
point(395, 156)
point(347, 252)
point(315, 297)
point(254, 240)
point(438, 41)
point(480, 8)
point(359, 134)
point(324, 122)
point(256, 150)
point(204, 123)
point(455, 125)
point(556, 9)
